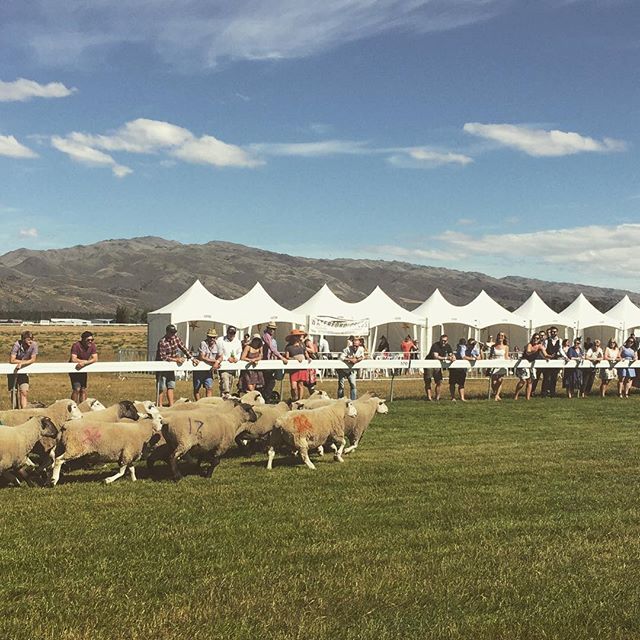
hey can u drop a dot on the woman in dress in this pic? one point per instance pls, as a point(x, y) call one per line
point(594, 355)
point(499, 351)
point(626, 376)
point(572, 379)
point(252, 353)
point(612, 354)
point(295, 350)
point(533, 351)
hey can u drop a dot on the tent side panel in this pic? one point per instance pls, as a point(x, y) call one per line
point(156, 325)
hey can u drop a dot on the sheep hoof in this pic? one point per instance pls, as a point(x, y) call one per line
point(338, 458)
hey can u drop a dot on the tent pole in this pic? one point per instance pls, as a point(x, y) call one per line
point(186, 338)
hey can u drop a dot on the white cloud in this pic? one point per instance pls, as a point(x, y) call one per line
point(21, 90)
point(31, 232)
point(313, 149)
point(424, 158)
point(87, 155)
point(144, 136)
point(540, 142)
point(210, 150)
point(11, 148)
point(205, 32)
point(591, 252)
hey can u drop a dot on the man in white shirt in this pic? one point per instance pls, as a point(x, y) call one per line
point(323, 348)
point(351, 355)
point(229, 350)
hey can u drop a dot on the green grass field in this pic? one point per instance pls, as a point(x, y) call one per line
point(483, 520)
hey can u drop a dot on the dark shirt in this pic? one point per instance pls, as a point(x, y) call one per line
point(442, 350)
point(81, 352)
point(553, 350)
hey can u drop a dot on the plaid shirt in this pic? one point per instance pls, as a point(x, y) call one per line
point(169, 348)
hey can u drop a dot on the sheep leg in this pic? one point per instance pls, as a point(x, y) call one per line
point(321, 451)
point(115, 476)
point(272, 454)
point(353, 447)
point(337, 456)
point(10, 477)
point(55, 474)
point(304, 453)
point(132, 473)
point(173, 463)
point(215, 461)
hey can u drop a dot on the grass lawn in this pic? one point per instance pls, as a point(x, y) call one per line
point(484, 520)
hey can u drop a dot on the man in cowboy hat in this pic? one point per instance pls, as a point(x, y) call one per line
point(270, 352)
point(208, 353)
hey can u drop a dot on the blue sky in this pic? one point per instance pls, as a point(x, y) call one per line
point(491, 135)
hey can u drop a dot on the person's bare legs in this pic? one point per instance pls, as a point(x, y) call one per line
point(170, 397)
point(519, 386)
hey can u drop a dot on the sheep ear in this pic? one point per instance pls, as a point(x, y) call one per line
point(289, 403)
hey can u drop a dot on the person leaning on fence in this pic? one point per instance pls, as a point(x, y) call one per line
point(229, 350)
point(207, 353)
point(295, 350)
point(527, 375)
point(607, 374)
point(169, 349)
point(594, 354)
point(572, 379)
point(464, 351)
point(499, 351)
point(627, 375)
point(270, 352)
point(83, 353)
point(252, 354)
point(553, 347)
point(24, 352)
point(350, 356)
point(442, 351)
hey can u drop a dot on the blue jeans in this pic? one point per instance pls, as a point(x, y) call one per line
point(351, 376)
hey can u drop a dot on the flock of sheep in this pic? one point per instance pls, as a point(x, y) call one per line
point(36, 443)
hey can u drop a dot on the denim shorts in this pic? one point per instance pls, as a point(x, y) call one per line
point(166, 380)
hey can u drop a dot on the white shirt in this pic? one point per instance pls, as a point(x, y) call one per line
point(229, 348)
point(323, 346)
point(349, 352)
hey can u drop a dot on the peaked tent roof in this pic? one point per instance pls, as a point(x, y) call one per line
point(381, 309)
point(583, 314)
point(254, 307)
point(257, 306)
point(484, 311)
point(438, 310)
point(625, 312)
point(196, 303)
point(326, 303)
point(538, 313)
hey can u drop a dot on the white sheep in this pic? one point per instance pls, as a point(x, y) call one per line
point(59, 412)
point(91, 404)
point(121, 442)
point(354, 427)
point(116, 412)
point(250, 397)
point(205, 434)
point(17, 442)
point(266, 420)
point(310, 428)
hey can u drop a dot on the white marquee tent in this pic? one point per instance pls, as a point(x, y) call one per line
point(581, 314)
point(627, 314)
point(197, 309)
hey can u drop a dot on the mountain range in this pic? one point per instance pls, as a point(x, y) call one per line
point(146, 273)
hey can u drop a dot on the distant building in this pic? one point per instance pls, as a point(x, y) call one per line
point(102, 321)
point(70, 321)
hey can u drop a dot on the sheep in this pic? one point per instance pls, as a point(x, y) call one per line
point(307, 403)
point(114, 413)
point(262, 427)
point(16, 442)
point(146, 408)
point(251, 397)
point(308, 428)
point(59, 412)
point(205, 434)
point(121, 442)
point(354, 427)
point(91, 404)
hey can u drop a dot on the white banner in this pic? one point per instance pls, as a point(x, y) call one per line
point(328, 326)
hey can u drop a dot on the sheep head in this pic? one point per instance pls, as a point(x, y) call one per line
point(73, 412)
point(48, 436)
point(96, 405)
point(350, 410)
point(382, 406)
point(128, 410)
point(249, 412)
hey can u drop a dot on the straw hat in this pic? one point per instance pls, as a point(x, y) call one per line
point(272, 325)
point(212, 333)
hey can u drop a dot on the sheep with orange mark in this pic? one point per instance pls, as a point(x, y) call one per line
point(121, 442)
point(262, 427)
point(311, 428)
